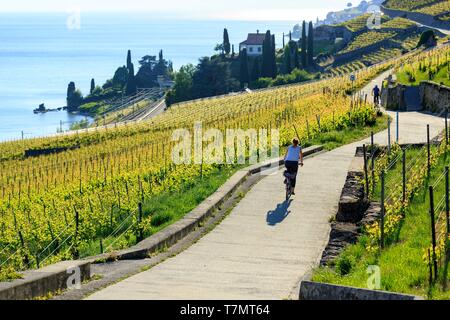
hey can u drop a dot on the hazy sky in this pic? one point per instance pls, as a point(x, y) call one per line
point(189, 9)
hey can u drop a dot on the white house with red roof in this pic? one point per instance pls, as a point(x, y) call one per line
point(253, 44)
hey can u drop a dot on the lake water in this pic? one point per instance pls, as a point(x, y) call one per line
point(41, 53)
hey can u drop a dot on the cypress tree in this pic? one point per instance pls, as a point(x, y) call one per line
point(287, 59)
point(266, 69)
point(291, 57)
point(244, 77)
point(274, 58)
point(131, 87)
point(256, 72)
point(304, 46)
point(294, 54)
point(311, 44)
point(226, 42)
point(161, 56)
point(92, 86)
point(74, 97)
point(70, 92)
point(129, 63)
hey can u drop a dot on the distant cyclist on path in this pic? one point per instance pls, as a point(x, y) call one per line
point(376, 95)
point(293, 157)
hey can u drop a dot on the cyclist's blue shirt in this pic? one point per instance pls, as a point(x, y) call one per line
point(293, 153)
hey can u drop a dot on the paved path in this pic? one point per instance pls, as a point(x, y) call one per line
point(265, 246)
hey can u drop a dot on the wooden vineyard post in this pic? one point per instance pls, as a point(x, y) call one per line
point(428, 149)
point(307, 129)
point(447, 200)
point(77, 225)
point(383, 209)
point(433, 233)
point(140, 235)
point(372, 155)
point(101, 246)
point(404, 175)
point(366, 173)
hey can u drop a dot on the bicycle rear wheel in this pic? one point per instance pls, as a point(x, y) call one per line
point(288, 190)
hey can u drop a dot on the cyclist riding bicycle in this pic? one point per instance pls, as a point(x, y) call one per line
point(293, 157)
point(376, 95)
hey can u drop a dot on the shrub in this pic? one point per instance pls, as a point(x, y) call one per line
point(160, 219)
point(344, 265)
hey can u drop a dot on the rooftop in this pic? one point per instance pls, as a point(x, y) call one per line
point(255, 39)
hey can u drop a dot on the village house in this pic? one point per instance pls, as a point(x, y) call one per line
point(253, 44)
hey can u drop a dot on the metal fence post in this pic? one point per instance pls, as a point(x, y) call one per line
point(382, 208)
point(433, 232)
point(389, 136)
point(398, 130)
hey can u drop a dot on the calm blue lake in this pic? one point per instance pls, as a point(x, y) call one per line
point(40, 55)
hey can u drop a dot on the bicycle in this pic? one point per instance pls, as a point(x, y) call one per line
point(289, 177)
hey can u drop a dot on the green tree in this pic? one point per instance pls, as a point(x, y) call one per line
point(213, 77)
point(243, 74)
point(291, 57)
point(287, 59)
point(182, 89)
point(267, 64)
point(256, 70)
point(129, 62)
point(427, 38)
point(304, 57)
point(120, 77)
point(92, 86)
point(273, 58)
point(311, 44)
point(219, 48)
point(131, 87)
point(74, 97)
point(226, 42)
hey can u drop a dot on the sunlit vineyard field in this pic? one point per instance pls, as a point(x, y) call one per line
point(398, 23)
point(368, 38)
point(85, 198)
point(409, 5)
point(359, 23)
point(431, 65)
point(436, 9)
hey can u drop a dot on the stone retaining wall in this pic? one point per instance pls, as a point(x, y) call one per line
point(393, 97)
point(434, 97)
point(323, 291)
point(39, 283)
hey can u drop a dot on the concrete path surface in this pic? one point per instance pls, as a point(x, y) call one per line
point(265, 246)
